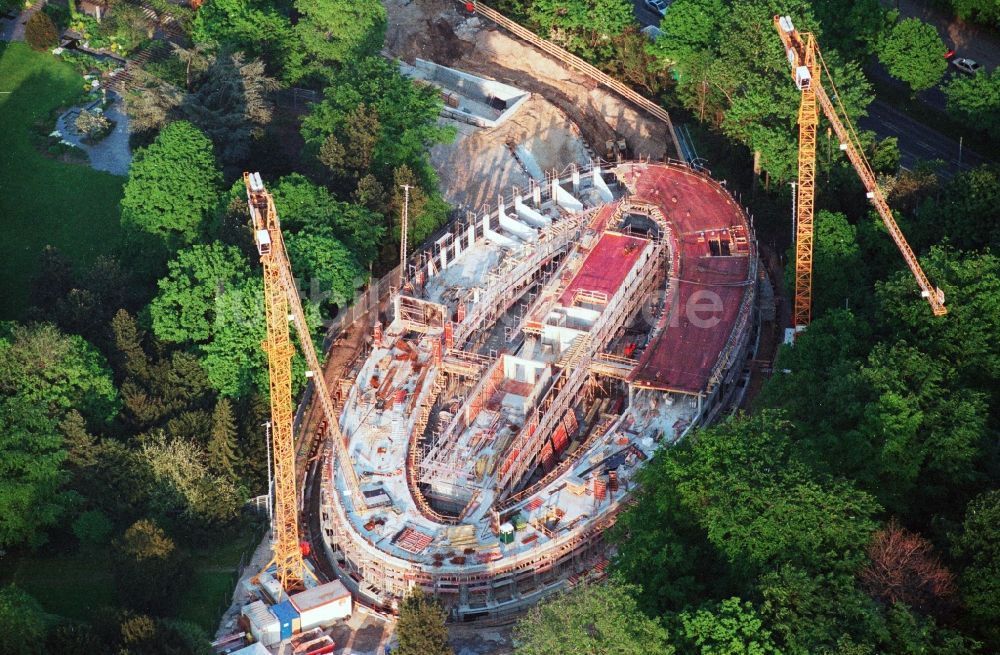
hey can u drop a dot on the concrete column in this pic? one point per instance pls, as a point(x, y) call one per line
point(536, 193)
point(576, 179)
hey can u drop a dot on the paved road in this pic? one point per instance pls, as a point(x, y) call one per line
point(916, 140)
point(968, 39)
point(12, 29)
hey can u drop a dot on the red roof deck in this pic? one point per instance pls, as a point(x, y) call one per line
point(712, 269)
point(606, 266)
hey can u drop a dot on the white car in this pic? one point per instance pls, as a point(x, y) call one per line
point(967, 65)
point(658, 7)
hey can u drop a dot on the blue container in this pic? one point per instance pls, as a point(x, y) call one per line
point(288, 618)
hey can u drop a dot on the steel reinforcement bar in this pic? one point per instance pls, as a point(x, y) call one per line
point(587, 69)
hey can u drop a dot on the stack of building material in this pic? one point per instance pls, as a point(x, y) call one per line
point(412, 540)
point(462, 536)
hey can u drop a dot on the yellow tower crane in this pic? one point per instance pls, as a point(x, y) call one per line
point(280, 295)
point(807, 63)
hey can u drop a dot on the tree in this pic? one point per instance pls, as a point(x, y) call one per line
point(427, 211)
point(40, 32)
point(977, 548)
point(55, 371)
point(966, 211)
point(421, 627)
point(81, 446)
point(185, 494)
point(407, 118)
point(185, 309)
point(815, 613)
point(233, 358)
point(730, 627)
point(903, 568)
point(173, 186)
point(150, 571)
point(22, 620)
point(926, 440)
point(596, 619)
point(130, 358)
point(759, 505)
point(307, 207)
point(31, 476)
point(258, 29)
point(911, 51)
point(337, 32)
point(349, 156)
point(222, 453)
point(838, 267)
point(982, 11)
point(93, 529)
point(325, 267)
point(231, 105)
point(584, 27)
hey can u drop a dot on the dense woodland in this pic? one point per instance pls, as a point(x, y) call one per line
point(853, 511)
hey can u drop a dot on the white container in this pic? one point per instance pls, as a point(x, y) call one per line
point(253, 649)
point(263, 623)
point(323, 605)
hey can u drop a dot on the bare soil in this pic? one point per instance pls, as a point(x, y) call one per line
point(567, 108)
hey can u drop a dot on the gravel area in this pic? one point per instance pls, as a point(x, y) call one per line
point(111, 153)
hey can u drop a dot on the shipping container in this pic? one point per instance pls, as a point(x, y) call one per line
point(263, 623)
point(322, 605)
point(288, 619)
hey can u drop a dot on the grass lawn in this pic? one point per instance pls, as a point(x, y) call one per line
point(44, 201)
point(72, 585)
point(66, 585)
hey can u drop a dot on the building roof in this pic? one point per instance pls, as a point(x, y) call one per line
point(320, 595)
point(606, 266)
point(285, 611)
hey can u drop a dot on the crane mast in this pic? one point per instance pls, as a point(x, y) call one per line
point(280, 295)
point(806, 61)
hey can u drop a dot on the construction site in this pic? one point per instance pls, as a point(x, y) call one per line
point(510, 377)
point(534, 358)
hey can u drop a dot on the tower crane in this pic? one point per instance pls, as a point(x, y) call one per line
point(280, 295)
point(807, 63)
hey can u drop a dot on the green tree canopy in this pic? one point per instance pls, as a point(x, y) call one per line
point(584, 27)
point(308, 207)
point(325, 268)
point(22, 620)
point(173, 186)
point(912, 51)
point(977, 548)
point(730, 627)
point(598, 619)
point(56, 371)
point(257, 28)
point(336, 32)
point(407, 117)
point(758, 504)
point(421, 627)
point(31, 457)
point(976, 101)
point(185, 308)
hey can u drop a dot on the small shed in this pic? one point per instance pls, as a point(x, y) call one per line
point(263, 623)
point(322, 605)
point(288, 619)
